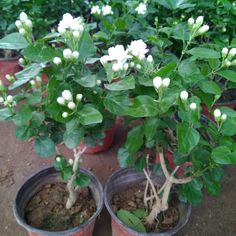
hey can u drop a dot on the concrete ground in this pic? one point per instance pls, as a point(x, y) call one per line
point(214, 217)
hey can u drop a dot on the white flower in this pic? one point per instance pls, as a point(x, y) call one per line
point(58, 159)
point(117, 66)
point(21, 61)
point(232, 52)
point(71, 105)
point(75, 54)
point(166, 82)
point(191, 21)
point(107, 10)
point(18, 24)
point(22, 31)
point(157, 82)
point(23, 17)
point(76, 34)
point(118, 53)
point(79, 97)
point(224, 52)
point(65, 114)
point(193, 106)
point(61, 29)
point(1, 100)
point(203, 29)
point(150, 58)
point(199, 21)
point(71, 161)
point(98, 82)
point(9, 98)
point(223, 117)
point(141, 9)
point(184, 95)
point(61, 101)
point(66, 94)
point(57, 60)
point(95, 10)
point(227, 63)
point(32, 82)
point(138, 48)
point(104, 59)
point(138, 66)
point(217, 113)
point(29, 23)
point(67, 53)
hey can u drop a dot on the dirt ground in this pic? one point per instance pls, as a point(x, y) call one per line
point(214, 217)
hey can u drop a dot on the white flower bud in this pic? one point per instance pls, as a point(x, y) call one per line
point(71, 161)
point(166, 82)
point(227, 63)
point(138, 66)
point(223, 117)
point(76, 34)
point(157, 82)
point(116, 67)
point(1, 99)
point(67, 53)
point(98, 82)
point(184, 95)
point(232, 52)
point(217, 113)
point(9, 99)
point(32, 82)
point(150, 58)
point(38, 79)
point(23, 17)
point(95, 92)
point(58, 159)
point(18, 24)
point(199, 21)
point(79, 97)
point(22, 31)
point(57, 60)
point(61, 101)
point(8, 77)
point(66, 94)
point(75, 54)
point(233, 63)
point(203, 29)
point(29, 23)
point(132, 64)
point(61, 29)
point(65, 114)
point(193, 106)
point(191, 21)
point(21, 61)
point(126, 66)
point(224, 52)
point(71, 105)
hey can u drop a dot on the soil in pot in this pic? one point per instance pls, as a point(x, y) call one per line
point(46, 209)
point(131, 199)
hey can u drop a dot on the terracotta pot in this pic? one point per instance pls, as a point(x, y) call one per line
point(106, 142)
point(8, 66)
point(122, 179)
point(50, 175)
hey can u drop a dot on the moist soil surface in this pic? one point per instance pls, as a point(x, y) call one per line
point(46, 209)
point(131, 199)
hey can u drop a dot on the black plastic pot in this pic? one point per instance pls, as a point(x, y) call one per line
point(50, 175)
point(120, 180)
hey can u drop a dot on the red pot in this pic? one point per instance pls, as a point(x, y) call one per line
point(169, 156)
point(106, 143)
point(8, 66)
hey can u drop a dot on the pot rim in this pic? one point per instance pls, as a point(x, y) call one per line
point(131, 231)
point(30, 228)
point(16, 58)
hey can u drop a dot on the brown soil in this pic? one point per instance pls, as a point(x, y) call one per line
point(131, 199)
point(46, 210)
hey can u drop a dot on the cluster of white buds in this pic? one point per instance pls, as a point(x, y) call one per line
point(10, 78)
point(227, 57)
point(8, 101)
point(141, 9)
point(159, 83)
point(104, 10)
point(66, 99)
point(24, 24)
point(68, 54)
point(218, 116)
point(197, 27)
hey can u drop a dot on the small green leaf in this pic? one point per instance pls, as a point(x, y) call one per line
point(222, 155)
point(66, 172)
point(35, 98)
point(124, 84)
point(228, 74)
point(13, 41)
point(210, 87)
point(140, 213)
point(140, 164)
point(89, 115)
point(82, 180)
point(204, 53)
point(44, 147)
point(5, 114)
point(123, 157)
point(23, 116)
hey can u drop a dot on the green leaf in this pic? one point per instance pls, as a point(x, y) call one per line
point(228, 74)
point(66, 172)
point(204, 53)
point(82, 180)
point(150, 127)
point(5, 114)
point(13, 41)
point(143, 106)
point(166, 70)
point(124, 84)
point(229, 126)
point(35, 98)
point(23, 116)
point(89, 115)
point(131, 220)
point(88, 81)
point(44, 147)
point(187, 137)
point(140, 164)
point(73, 138)
point(123, 157)
point(222, 155)
point(175, 4)
point(210, 87)
point(23, 132)
point(140, 213)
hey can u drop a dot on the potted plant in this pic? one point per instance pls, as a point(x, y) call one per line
point(167, 100)
point(66, 108)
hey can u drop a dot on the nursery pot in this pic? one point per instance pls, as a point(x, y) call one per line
point(8, 66)
point(106, 143)
point(121, 180)
point(47, 176)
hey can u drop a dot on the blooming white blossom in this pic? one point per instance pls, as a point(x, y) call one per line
point(71, 105)
point(67, 53)
point(95, 10)
point(141, 8)
point(150, 58)
point(79, 97)
point(107, 10)
point(203, 29)
point(217, 113)
point(61, 101)
point(66, 94)
point(71, 161)
point(184, 95)
point(193, 106)
point(117, 66)
point(223, 117)
point(157, 82)
point(166, 82)
point(224, 52)
point(23, 17)
point(138, 48)
point(65, 114)
point(57, 60)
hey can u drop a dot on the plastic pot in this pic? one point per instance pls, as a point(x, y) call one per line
point(8, 66)
point(106, 142)
point(121, 180)
point(46, 176)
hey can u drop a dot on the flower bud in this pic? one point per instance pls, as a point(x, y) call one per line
point(57, 60)
point(66, 94)
point(58, 159)
point(75, 54)
point(67, 53)
point(23, 17)
point(191, 22)
point(71, 161)
point(29, 23)
point(79, 97)
point(217, 113)
point(18, 24)
point(224, 52)
point(71, 105)
point(132, 64)
point(199, 21)
point(116, 67)
point(157, 82)
point(184, 95)
point(76, 34)
point(227, 63)
point(61, 101)
point(9, 98)
point(138, 66)
point(32, 82)
point(232, 53)
point(8, 77)
point(98, 82)
point(203, 29)
point(65, 114)
point(193, 106)
point(126, 66)
point(22, 31)
point(233, 63)
point(223, 117)
point(150, 58)
point(166, 82)
point(1, 99)
point(21, 61)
